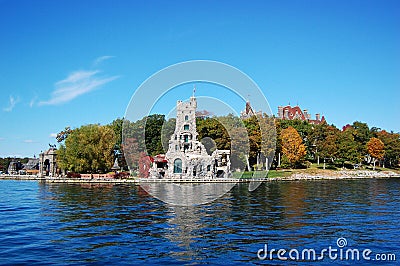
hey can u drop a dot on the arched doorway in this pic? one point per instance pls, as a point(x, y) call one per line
point(178, 166)
point(46, 166)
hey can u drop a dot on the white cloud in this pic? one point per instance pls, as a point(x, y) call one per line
point(12, 103)
point(33, 101)
point(100, 59)
point(29, 141)
point(53, 135)
point(1, 139)
point(76, 84)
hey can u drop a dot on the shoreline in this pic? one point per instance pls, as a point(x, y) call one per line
point(296, 176)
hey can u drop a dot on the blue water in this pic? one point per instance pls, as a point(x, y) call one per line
point(121, 224)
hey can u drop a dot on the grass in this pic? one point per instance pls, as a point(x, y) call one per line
point(279, 173)
point(261, 174)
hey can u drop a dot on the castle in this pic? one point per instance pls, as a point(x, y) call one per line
point(291, 113)
point(187, 157)
point(248, 112)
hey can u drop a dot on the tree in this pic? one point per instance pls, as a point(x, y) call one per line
point(292, 145)
point(153, 129)
point(392, 147)
point(376, 149)
point(117, 126)
point(304, 128)
point(361, 135)
point(167, 131)
point(144, 165)
point(88, 149)
point(254, 132)
point(213, 129)
point(347, 146)
point(325, 139)
point(63, 134)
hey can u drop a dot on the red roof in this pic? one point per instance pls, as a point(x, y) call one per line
point(160, 158)
point(292, 111)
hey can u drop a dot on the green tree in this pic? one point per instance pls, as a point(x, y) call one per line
point(254, 133)
point(361, 135)
point(210, 127)
point(88, 149)
point(61, 136)
point(239, 140)
point(154, 124)
point(325, 138)
point(167, 131)
point(347, 146)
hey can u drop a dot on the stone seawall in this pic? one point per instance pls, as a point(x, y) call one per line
point(294, 177)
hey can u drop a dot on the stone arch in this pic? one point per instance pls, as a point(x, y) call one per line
point(48, 162)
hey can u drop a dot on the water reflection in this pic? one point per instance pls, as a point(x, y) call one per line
point(122, 223)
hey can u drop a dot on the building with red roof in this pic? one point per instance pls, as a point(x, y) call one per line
point(291, 113)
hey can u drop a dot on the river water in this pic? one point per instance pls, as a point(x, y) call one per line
point(121, 224)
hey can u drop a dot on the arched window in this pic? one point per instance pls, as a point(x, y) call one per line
point(186, 127)
point(177, 166)
point(186, 117)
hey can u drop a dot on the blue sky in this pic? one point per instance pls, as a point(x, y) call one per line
point(69, 63)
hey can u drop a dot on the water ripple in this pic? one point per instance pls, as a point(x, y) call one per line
point(121, 224)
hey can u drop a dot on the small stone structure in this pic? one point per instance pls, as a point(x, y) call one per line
point(48, 162)
point(30, 168)
point(187, 157)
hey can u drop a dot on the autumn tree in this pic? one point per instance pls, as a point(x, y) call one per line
point(144, 165)
point(391, 142)
point(292, 145)
point(376, 149)
point(305, 129)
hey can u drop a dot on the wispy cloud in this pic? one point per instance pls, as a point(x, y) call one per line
point(100, 59)
point(29, 141)
point(53, 135)
point(12, 103)
point(1, 139)
point(33, 101)
point(76, 84)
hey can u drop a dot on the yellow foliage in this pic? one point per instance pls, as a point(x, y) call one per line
point(292, 145)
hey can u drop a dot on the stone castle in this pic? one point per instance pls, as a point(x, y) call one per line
point(187, 157)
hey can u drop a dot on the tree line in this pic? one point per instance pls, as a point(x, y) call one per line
point(287, 143)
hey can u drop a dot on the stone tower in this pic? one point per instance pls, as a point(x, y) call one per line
point(186, 156)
